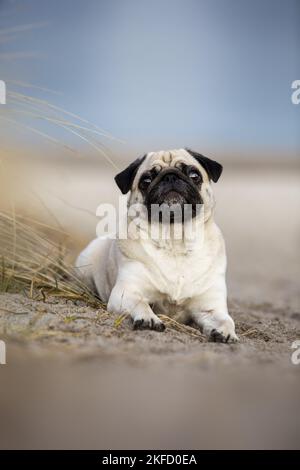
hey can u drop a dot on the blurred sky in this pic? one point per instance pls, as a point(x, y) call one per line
point(209, 74)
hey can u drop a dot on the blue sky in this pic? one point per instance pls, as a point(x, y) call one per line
point(209, 74)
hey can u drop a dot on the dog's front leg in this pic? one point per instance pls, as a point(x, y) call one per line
point(124, 299)
point(209, 311)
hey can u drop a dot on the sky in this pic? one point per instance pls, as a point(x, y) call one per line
point(207, 74)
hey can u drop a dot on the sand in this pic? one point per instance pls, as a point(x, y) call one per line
point(74, 379)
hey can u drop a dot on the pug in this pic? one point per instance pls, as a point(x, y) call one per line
point(182, 277)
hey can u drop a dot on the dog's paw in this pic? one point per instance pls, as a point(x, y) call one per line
point(148, 323)
point(217, 336)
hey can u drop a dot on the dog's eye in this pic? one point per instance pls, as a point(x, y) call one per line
point(145, 180)
point(194, 175)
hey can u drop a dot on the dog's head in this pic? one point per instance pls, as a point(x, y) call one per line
point(177, 177)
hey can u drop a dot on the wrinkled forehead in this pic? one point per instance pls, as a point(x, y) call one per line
point(169, 158)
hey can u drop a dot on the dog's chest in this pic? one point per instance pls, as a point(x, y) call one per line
point(177, 275)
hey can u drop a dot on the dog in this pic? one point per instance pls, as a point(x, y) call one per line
point(180, 277)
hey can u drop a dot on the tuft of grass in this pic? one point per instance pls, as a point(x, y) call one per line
point(34, 260)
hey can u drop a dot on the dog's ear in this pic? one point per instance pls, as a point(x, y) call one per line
point(125, 178)
point(212, 168)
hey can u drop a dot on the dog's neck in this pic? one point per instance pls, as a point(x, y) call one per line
point(175, 238)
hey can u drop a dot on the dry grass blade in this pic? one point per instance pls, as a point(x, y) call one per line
point(182, 328)
point(34, 87)
point(38, 132)
point(22, 28)
point(56, 111)
point(29, 107)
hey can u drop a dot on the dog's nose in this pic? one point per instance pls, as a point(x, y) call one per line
point(170, 178)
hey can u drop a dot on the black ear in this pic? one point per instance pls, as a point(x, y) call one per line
point(125, 178)
point(213, 169)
